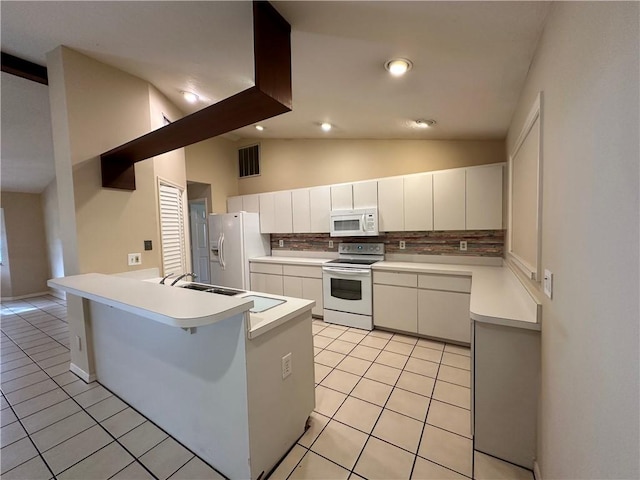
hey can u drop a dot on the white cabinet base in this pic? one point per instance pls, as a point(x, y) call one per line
point(505, 389)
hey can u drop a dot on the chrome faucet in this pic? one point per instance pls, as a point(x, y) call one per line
point(165, 277)
point(192, 275)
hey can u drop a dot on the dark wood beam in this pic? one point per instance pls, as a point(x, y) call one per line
point(271, 96)
point(24, 68)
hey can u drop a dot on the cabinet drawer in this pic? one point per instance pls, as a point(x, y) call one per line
point(449, 283)
point(395, 278)
point(302, 271)
point(272, 268)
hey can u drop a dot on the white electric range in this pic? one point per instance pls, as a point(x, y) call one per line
point(347, 285)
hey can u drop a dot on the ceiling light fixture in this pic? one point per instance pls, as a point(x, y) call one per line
point(398, 66)
point(424, 123)
point(260, 128)
point(190, 97)
point(326, 126)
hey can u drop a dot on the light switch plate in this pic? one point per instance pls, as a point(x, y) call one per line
point(548, 283)
point(134, 259)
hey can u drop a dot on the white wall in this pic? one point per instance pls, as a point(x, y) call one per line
point(587, 67)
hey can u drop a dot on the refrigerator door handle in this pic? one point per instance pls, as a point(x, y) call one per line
point(219, 250)
point(222, 262)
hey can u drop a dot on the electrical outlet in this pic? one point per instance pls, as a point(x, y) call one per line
point(548, 283)
point(286, 365)
point(463, 245)
point(281, 243)
point(330, 243)
point(403, 245)
point(134, 259)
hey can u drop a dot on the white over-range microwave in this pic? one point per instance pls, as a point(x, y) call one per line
point(362, 222)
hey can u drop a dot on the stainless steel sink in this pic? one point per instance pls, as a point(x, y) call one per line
point(230, 292)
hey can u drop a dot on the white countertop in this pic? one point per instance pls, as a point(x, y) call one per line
point(497, 296)
point(292, 260)
point(178, 307)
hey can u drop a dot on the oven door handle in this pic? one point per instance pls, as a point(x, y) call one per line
point(347, 271)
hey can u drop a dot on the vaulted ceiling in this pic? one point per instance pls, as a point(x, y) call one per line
point(470, 60)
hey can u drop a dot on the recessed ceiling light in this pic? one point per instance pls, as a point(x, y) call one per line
point(424, 123)
point(326, 126)
point(190, 97)
point(259, 128)
point(398, 66)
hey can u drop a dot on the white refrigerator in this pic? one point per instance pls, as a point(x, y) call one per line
point(234, 238)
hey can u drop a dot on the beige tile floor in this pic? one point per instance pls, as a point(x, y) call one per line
point(387, 406)
point(390, 406)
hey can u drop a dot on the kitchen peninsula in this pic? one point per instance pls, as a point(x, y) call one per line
point(202, 366)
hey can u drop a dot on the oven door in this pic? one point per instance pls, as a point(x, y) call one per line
point(347, 290)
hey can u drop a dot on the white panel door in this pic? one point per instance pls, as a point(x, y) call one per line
point(418, 202)
point(395, 307)
point(301, 211)
point(234, 204)
point(267, 213)
point(292, 286)
point(319, 209)
point(265, 283)
point(449, 200)
point(251, 203)
point(365, 194)
point(391, 204)
point(283, 211)
point(312, 290)
point(444, 315)
point(199, 240)
point(484, 198)
point(342, 197)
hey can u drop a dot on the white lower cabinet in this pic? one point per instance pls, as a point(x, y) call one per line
point(299, 281)
point(444, 315)
point(425, 304)
point(395, 308)
point(267, 283)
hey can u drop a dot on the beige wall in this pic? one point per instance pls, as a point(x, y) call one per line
point(50, 211)
point(214, 162)
point(587, 67)
point(287, 164)
point(26, 244)
point(104, 107)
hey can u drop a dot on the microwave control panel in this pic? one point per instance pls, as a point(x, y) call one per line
point(369, 222)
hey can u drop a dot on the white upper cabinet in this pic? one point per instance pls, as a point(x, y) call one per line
point(319, 207)
point(267, 213)
point(484, 198)
point(449, 200)
point(342, 197)
point(349, 196)
point(234, 204)
point(418, 202)
point(391, 204)
point(284, 212)
point(251, 203)
point(246, 203)
point(365, 194)
point(301, 211)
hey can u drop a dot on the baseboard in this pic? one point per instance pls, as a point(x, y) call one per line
point(29, 295)
point(536, 470)
point(82, 374)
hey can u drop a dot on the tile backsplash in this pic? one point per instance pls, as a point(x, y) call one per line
point(480, 243)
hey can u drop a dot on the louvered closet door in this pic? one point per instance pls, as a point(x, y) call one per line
point(172, 229)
